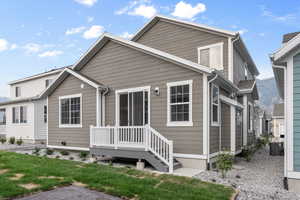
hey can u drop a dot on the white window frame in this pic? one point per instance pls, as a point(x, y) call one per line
point(251, 118)
point(59, 103)
point(17, 91)
point(19, 114)
point(221, 44)
point(180, 123)
point(212, 103)
point(5, 117)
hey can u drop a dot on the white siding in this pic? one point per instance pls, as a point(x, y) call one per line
point(40, 125)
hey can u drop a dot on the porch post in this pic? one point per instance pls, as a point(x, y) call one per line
point(233, 126)
point(98, 108)
point(245, 120)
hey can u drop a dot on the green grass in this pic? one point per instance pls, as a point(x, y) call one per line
point(122, 182)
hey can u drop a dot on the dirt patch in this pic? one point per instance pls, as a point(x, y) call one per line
point(50, 177)
point(158, 184)
point(79, 184)
point(79, 166)
point(16, 177)
point(3, 171)
point(29, 186)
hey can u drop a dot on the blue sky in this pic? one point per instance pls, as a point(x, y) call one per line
point(39, 35)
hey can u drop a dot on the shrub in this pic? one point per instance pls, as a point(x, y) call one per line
point(64, 153)
point(224, 163)
point(2, 140)
point(49, 151)
point(83, 154)
point(12, 140)
point(247, 153)
point(57, 156)
point(71, 158)
point(19, 142)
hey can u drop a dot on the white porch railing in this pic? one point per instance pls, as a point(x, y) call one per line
point(143, 137)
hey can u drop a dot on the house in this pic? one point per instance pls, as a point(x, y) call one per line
point(286, 66)
point(177, 92)
point(278, 122)
point(260, 121)
point(24, 115)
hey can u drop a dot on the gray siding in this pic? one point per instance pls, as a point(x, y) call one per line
point(182, 41)
point(121, 67)
point(40, 127)
point(75, 137)
point(239, 131)
point(296, 108)
point(238, 67)
point(214, 139)
point(225, 127)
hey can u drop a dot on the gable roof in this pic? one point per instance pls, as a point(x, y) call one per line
point(278, 110)
point(287, 37)
point(64, 75)
point(21, 100)
point(106, 37)
point(193, 25)
point(248, 87)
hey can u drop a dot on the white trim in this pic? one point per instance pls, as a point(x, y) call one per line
point(180, 123)
point(292, 174)
point(218, 123)
point(47, 128)
point(103, 110)
point(245, 120)
point(250, 128)
point(68, 148)
point(286, 48)
point(35, 76)
point(82, 78)
point(289, 113)
point(205, 114)
point(196, 156)
point(129, 90)
point(221, 44)
point(231, 101)
point(59, 103)
point(230, 59)
point(242, 91)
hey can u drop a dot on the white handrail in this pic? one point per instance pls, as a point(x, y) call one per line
point(143, 137)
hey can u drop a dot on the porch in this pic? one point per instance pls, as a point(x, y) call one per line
point(139, 142)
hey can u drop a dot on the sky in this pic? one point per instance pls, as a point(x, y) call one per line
point(36, 36)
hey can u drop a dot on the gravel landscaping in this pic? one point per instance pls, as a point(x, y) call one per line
point(261, 178)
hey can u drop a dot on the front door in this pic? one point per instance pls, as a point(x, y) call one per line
point(133, 108)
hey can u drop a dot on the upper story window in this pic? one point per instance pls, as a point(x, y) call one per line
point(180, 103)
point(70, 111)
point(215, 105)
point(246, 71)
point(19, 115)
point(3, 116)
point(17, 91)
point(211, 56)
point(48, 82)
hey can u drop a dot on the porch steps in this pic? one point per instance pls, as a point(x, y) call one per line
point(136, 154)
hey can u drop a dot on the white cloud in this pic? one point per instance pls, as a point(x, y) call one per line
point(93, 32)
point(130, 6)
point(144, 10)
point(50, 53)
point(283, 18)
point(76, 30)
point(262, 34)
point(32, 47)
point(87, 2)
point(13, 46)
point(3, 45)
point(90, 19)
point(187, 11)
point(243, 31)
point(126, 35)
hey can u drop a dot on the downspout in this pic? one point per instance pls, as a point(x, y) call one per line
point(208, 116)
point(285, 118)
point(103, 94)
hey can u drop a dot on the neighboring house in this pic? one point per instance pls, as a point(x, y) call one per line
point(278, 122)
point(176, 90)
point(286, 67)
point(24, 115)
point(260, 121)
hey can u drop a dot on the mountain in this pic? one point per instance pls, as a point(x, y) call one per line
point(3, 99)
point(268, 94)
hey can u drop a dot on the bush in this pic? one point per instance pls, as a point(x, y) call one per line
point(2, 140)
point(12, 140)
point(247, 153)
point(36, 150)
point(64, 153)
point(71, 158)
point(83, 154)
point(224, 163)
point(19, 142)
point(49, 151)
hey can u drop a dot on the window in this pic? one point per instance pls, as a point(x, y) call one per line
point(3, 116)
point(48, 82)
point(17, 91)
point(211, 56)
point(180, 103)
point(45, 114)
point(250, 117)
point(70, 111)
point(215, 105)
point(246, 71)
point(19, 115)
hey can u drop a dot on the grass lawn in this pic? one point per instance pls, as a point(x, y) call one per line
point(18, 172)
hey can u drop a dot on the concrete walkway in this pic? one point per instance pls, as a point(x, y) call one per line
point(70, 193)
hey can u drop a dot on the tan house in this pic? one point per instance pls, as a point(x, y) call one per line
point(177, 91)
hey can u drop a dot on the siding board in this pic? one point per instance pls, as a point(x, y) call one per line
point(296, 109)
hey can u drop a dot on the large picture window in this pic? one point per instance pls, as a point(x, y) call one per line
point(215, 104)
point(211, 56)
point(3, 116)
point(70, 111)
point(19, 115)
point(180, 103)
